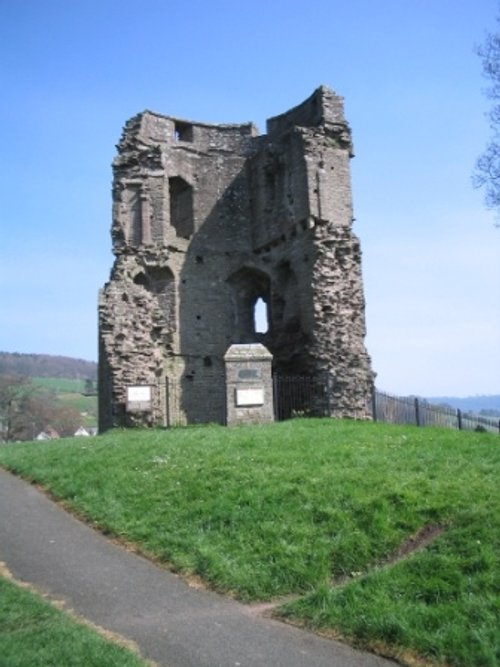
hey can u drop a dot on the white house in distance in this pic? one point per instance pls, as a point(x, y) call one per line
point(81, 432)
point(48, 433)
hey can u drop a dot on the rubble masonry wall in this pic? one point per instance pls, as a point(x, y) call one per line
point(206, 220)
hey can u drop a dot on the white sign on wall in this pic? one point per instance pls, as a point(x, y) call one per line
point(247, 397)
point(139, 398)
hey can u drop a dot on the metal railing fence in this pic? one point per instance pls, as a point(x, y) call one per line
point(301, 395)
point(418, 411)
point(313, 396)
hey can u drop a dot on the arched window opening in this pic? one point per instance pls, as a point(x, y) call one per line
point(260, 316)
point(250, 296)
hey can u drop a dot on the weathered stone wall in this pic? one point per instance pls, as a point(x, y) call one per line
point(206, 220)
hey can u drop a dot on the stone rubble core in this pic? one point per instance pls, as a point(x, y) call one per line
point(208, 219)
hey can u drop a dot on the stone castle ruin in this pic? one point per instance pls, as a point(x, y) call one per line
point(207, 221)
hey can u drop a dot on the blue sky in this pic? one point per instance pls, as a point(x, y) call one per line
point(72, 73)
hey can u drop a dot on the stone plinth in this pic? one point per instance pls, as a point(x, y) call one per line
point(249, 385)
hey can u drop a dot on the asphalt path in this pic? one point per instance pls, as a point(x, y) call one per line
point(172, 623)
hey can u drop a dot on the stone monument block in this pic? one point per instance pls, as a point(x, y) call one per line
point(249, 385)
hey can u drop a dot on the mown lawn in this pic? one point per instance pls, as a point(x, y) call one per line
point(261, 512)
point(33, 633)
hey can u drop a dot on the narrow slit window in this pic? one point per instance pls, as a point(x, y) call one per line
point(260, 316)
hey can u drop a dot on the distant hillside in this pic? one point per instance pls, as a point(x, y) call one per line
point(473, 404)
point(45, 365)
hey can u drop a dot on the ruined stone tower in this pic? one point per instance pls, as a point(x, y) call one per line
point(207, 219)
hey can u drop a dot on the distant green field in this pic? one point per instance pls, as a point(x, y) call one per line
point(80, 402)
point(60, 385)
point(72, 393)
point(313, 508)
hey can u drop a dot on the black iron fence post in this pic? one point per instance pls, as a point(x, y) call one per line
point(277, 398)
point(374, 404)
point(417, 412)
point(330, 381)
point(167, 403)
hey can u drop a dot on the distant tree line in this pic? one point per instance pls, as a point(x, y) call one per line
point(487, 405)
point(45, 365)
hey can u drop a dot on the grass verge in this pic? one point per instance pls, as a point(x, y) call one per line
point(33, 633)
point(261, 512)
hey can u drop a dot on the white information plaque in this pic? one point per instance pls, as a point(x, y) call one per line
point(139, 398)
point(139, 394)
point(247, 397)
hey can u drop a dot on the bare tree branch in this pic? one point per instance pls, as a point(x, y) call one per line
point(487, 170)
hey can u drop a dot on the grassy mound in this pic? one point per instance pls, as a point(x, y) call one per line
point(298, 507)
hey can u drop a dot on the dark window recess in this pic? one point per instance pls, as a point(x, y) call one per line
point(140, 279)
point(207, 361)
point(181, 207)
point(183, 131)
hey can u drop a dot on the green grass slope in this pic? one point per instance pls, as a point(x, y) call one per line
point(33, 633)
point(291, 508)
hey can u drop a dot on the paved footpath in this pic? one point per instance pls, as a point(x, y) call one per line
point(171, 622)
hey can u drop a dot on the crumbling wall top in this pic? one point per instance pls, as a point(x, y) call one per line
point(323, 107)
point(150, 128)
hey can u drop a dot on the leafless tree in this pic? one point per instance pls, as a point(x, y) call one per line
point(487, 171)
point(26, 409)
